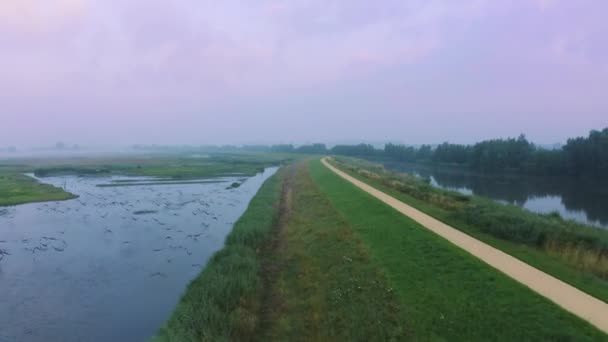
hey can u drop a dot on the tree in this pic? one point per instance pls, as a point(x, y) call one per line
point(400, 152)
point(312, 149)
point(362, 150)
point(425, 152)
point(452, 153)
point(284, 148)
point(588, 155)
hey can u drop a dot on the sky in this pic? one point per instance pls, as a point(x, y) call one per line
point(99, 72)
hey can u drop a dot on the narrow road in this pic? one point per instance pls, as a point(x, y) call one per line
point(568, 297)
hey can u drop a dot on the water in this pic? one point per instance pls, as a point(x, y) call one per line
point(582, 200)
point(112, 264)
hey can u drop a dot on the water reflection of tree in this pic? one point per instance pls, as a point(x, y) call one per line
point(588, 196)
point(592, 199)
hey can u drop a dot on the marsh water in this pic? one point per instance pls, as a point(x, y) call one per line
point(110, 265)
point(582, 200)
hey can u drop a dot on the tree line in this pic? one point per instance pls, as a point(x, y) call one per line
point(361, 150)
point(580, 156)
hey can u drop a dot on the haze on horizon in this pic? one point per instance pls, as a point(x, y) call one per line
point(97, 72)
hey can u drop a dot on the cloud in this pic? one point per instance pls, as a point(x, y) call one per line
point(39, 17)
point(109, 59)
point(247, 48)
point(545, 4)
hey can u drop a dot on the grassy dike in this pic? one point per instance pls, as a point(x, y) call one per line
point(222, 303)
point(485, 220)
point(444, 292)
point(316, 259)
point(322, 284)
point(292, 269)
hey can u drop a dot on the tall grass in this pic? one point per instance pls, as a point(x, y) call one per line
point(593, 261)
point(222, 303)
point(581, 246)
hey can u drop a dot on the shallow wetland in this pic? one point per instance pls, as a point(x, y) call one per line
point(82, 269)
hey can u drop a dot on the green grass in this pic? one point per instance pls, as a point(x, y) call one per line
point(445, 293)
point(325, 261)
point(17, 188)
point(485, 220)
point(324, 285)
point(222, 303)
point(300, 276)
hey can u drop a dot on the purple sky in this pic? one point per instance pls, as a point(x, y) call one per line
point(197, 71)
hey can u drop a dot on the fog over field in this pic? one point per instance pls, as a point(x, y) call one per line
point(117, 72)
point(312, 170)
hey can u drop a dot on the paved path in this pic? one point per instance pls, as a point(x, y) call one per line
point(568, 297)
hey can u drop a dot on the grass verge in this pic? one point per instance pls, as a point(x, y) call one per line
point(445, 293)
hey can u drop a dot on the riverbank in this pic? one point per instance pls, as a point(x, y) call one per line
point(332, 263)
point(572, 252)
point(580, 199)
point(223, 302)
point(570, 298)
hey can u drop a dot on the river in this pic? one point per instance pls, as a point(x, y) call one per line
point(581, 200)
point(112, 264)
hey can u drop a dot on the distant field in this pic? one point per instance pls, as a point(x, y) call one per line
point(16, 188)
point(175, 167)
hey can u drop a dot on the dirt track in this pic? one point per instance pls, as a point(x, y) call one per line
point(568, 297)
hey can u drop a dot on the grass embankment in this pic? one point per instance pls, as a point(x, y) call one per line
point(222, 303)
point(17, 188)
point(316, 259)
point(572, 252)
point(290, 270)
point(445, 293)
point(321, 282)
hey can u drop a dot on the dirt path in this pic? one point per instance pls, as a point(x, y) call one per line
point(568, 297)
point(271, 304)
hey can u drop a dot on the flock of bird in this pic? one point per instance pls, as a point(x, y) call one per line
point(117, 210)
